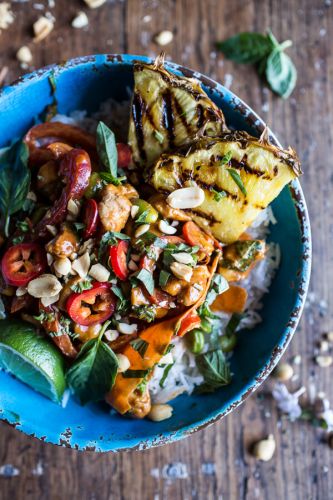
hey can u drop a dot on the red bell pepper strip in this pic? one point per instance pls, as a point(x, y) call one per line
point(90, 218)
point(76, 168)
point(188, 323)
point(41, 136)
point(118, 258)
point(92, 306)
point(22, 263)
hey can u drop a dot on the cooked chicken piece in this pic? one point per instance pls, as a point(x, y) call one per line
point(240, 257)
point(159, 202)
point(174, 286)
point(188, 293)
point(138, 298)
point(114, 209)
point(140, 403)
point(65, 243)
point(191, 294)
point(86, 333)
point(126, 190)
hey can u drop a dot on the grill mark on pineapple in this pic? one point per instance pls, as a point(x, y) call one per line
point(168, 120)
point(210, 187)
point(137, 114)
point(238, 165)
point(201, 117)
point(182, 115)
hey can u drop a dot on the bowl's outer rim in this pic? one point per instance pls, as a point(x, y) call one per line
point(305, 270)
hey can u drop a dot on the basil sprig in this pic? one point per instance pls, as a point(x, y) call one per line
point(108, 154)
point(14, 180)
point(265, 51)
point(215, 370)
point(94, 371)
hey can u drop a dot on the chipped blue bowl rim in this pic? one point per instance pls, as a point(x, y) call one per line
point(306, 245)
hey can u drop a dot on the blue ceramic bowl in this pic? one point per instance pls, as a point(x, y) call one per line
point(84, 84)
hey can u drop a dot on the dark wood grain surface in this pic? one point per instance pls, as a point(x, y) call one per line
point(214, 463)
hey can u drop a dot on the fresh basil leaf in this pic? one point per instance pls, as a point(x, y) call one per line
point(141, 219)
point(215, 370)
point(81, 286)
point(118, 292)
point(226, 158)
point(108, 239)
point(246, 48)
point(168, 349)
point(94, 371)
point(237, 179)
point(218, 285)
point(233, 324)
point(218, 195)
point(23, 226)
point(165, 374)
point(18, 240)
point(147, 279)
point(107, 148)
point(135, 373)
point(79, 225)
point(14, 181)
point(140, 345)
point(281, 73)
point(145, 313)
point(163, 278)
point(110, 179)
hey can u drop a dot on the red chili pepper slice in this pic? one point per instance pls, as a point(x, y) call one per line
point(41, 136)
point(92, 306)
point(124, 155)
point(190, 322)
point(76, 168)
point(90, 218)
point(22, 263)
point(194, 236)
point(118, 257)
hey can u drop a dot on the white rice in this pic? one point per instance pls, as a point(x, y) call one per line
point(184, 375)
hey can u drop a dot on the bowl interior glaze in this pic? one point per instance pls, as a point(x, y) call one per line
point(83, 84)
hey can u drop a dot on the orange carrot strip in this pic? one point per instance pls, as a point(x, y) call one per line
point(231, 301)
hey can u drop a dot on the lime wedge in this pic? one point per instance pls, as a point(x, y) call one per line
point(32, 358)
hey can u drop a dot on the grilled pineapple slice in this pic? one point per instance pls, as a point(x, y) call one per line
point(167, 112)
point(230, 205)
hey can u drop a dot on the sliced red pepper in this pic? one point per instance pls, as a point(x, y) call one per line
point(124, 155)
point(90, 218)
point(194, 236)
point(41, 136)
point(92, 306)
point(22, 263)
point(189, 322)
point(76, 168)
point(118, 258)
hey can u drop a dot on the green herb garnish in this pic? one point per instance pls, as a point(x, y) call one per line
point(23, 226)
point(163, 278)
point(18, 240)
point(265, 51)
point(146, 279)
point(165, 374)
point(218, 195)
point(135, 373)
point(94, 370)
point(14, 180)
point(226, 158)
point(215, 370)
point(237, 179)
point(81, 286)
point(140, 345)
point(158, 136)
point(107, 148)
point(145, 313)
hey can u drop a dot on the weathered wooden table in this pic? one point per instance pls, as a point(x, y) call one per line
point(215, 463)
